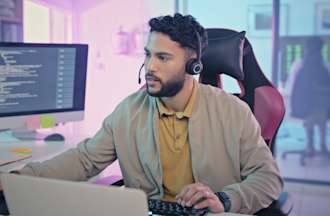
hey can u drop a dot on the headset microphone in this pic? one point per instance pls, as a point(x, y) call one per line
point(139, 80)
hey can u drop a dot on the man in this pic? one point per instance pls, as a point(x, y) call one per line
point(178, 140)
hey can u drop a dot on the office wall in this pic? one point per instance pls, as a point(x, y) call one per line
point(302, 16)
point(112, 76)
point(62, 4)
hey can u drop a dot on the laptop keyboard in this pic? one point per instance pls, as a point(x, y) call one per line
point(161, 207)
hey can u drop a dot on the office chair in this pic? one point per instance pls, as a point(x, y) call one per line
point(304, 155)
point(230, 53)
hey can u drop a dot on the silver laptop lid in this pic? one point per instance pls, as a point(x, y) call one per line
point(31, 196)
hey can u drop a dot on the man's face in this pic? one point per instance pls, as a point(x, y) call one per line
point(165, 62)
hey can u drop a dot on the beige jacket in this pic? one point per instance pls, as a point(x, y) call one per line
point(227, 150)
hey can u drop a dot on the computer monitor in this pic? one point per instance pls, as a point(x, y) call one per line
point(41, 79)
point(292, 49)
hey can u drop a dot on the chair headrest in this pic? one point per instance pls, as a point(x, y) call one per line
point(224, 54)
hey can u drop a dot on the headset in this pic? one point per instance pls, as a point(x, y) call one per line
point(193, 66)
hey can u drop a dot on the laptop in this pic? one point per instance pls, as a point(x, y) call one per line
point(32, 196)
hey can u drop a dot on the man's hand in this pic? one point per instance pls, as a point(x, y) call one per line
point(199, 196)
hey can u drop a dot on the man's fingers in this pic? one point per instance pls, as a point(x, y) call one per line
point(197, 197)
point(182, 193)
point(185, 189)
point(203, 204)
point(191, 192)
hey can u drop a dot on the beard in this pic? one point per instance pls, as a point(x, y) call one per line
point(169, 88)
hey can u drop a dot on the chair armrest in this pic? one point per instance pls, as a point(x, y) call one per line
point(286, 202)
point(280, 207)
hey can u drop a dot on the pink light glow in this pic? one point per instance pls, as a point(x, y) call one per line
point(45, 23)
point(36, 13)
point(110, 76)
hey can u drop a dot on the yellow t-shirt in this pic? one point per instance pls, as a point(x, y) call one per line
point(174, 147)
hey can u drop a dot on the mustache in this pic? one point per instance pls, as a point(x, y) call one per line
point(151, 76)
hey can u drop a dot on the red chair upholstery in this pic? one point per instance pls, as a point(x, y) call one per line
point(257, 91)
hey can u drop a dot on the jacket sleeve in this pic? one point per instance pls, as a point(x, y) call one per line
point(261, 182)
point(88, 159)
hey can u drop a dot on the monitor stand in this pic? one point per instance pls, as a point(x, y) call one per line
point(27, 134)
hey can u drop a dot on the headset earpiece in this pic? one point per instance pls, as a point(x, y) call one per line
point(194, 67)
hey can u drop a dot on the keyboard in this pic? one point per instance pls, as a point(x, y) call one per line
point(161, 207)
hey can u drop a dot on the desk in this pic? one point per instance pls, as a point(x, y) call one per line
point(45, 150)
point(40, 151)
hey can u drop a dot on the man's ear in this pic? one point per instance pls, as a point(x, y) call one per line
point(190, 54)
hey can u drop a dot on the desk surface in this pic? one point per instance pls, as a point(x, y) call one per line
point(45, 150)
point(41, 150)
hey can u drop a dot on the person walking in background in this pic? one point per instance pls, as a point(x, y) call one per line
point(310, 94)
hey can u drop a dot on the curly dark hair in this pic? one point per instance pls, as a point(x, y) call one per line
point(180, 29)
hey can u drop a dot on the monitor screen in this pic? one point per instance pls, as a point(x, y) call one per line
point(40, 79)
point(292, 49)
